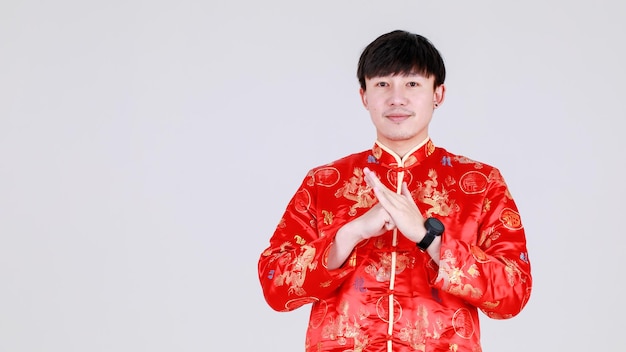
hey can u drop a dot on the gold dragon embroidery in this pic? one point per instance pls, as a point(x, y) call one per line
point(296, 276)
point(381, 271)
point(355, 190)
point(343, 328)
point(416, 332)
point(452, 277)
point(427, 193)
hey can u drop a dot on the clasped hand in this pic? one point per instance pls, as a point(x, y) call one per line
point(393, 210)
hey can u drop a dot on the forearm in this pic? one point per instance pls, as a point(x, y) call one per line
point(345, 241)
point(434, 250)
point(293, 269)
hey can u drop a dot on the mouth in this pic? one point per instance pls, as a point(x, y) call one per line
point(397, 116)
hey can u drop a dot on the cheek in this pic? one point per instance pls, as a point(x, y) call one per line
point(374, 105)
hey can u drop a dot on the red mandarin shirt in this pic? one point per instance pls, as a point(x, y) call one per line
point(389, 295)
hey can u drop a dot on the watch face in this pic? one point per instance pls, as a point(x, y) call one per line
point(436, 225)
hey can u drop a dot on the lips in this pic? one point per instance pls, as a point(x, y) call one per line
point(398, 116)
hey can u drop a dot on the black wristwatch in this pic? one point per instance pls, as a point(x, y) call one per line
point(434, 228)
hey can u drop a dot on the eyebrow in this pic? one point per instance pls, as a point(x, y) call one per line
point(408, 75)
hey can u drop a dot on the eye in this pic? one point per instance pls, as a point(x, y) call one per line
point(381, 84)
point(413, 84)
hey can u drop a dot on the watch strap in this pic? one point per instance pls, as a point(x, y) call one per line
point(427, 240)
point(434, 228)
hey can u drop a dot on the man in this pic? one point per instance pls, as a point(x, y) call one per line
point(398, 247)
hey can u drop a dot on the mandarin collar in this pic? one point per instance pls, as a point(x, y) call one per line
point(386, 157)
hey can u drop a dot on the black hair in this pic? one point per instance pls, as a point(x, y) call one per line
point(401, 52)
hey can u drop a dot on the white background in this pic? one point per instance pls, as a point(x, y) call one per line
point(148, 149)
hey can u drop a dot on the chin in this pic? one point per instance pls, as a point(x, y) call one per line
point(398, 137)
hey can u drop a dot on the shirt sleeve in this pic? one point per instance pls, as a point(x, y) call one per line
point(492, 270)
point(292, 269)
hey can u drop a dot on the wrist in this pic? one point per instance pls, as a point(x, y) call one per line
point(434, 229)
point(434, 250)
point(349, 234)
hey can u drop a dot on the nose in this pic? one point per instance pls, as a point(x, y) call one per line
point(397, 96)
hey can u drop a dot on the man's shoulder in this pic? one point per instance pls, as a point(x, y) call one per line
point(347, 160)
point(461, 160)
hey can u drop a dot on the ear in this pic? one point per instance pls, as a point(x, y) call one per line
point(363, 98)
point(439, 95)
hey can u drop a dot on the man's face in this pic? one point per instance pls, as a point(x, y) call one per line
point(401, 107)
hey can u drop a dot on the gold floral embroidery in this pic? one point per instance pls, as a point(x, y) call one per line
point(490, 305)
point(328, 217)
point(473, 271)
point(377, 151)
point(430, 148)
point(496, 177)
point(486, 205)
point(299, 240)
point(487, 236)
point(510, 219)
point(512, 270)
point(465, 160)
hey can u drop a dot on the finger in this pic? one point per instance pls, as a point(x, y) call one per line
point(368, 177)
point(371, 179)
point(407, 193)
point(390, 225)
point(379, 188)
point(384, 195)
